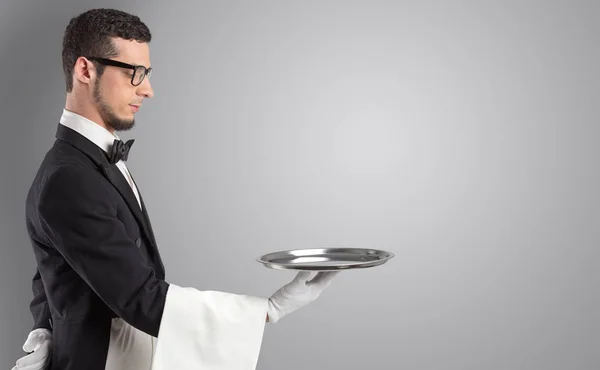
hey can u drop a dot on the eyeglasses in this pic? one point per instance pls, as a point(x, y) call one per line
point(139, 72)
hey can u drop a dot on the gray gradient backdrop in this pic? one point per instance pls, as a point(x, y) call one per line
point(462, 136)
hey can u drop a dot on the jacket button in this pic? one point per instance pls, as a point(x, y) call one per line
point(138, 242)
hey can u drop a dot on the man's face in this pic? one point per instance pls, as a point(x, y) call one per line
point(116, 99)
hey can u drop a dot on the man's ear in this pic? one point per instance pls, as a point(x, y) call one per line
point(84, 70)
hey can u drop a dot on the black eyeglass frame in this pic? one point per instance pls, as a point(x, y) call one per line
point(115, 63)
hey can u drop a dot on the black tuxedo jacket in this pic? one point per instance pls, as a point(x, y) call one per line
point(95, 251)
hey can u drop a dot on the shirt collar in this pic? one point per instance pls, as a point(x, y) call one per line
point(89, 129)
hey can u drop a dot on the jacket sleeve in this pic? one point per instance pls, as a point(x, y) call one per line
point(78, 215)
point(39, 304)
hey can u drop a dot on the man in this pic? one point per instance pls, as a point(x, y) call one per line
point(101, 300)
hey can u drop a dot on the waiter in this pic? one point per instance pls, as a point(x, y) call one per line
point(101, 300)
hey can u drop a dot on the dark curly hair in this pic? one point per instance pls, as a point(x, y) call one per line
point(89, 34)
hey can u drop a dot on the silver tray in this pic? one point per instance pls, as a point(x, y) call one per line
point(325, 259)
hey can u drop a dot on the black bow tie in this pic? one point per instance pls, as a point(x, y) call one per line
point(120, 150)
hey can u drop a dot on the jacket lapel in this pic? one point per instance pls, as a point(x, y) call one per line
point(110, 171)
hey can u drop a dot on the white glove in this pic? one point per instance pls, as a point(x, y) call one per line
point(39, 343)
point(298, 293)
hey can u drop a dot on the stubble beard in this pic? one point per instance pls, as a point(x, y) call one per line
point(107, 114)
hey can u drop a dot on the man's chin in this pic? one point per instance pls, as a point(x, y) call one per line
point(122, 124)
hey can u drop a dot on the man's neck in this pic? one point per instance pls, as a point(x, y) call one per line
point(88, 112)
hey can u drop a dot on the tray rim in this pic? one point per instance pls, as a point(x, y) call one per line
point(291, 266)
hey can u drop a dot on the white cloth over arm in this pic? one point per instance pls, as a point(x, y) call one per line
point(209, 330)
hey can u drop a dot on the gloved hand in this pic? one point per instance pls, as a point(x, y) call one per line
point(298, 293)
point(39, 343)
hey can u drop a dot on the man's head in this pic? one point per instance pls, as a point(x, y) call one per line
point(101, 89)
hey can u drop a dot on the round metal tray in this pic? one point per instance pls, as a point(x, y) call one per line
point(325, 259)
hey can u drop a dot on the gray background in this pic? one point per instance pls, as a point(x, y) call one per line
point(462, 136)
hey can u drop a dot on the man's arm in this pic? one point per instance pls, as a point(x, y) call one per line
point(39, 341)
point(39, 304)
point(78, 216)
point(195, 329)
